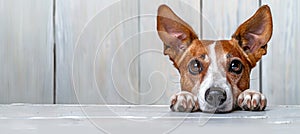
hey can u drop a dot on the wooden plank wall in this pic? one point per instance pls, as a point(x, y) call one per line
point(108, 51)
point(95, 43)
point(281, 75)
point(26, 51)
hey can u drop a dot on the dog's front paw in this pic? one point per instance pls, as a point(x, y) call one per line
point(252, 100)
point(184, 102)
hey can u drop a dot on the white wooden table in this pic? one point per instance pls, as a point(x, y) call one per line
point(89, 119)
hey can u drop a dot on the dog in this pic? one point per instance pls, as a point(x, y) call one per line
point(215, 74)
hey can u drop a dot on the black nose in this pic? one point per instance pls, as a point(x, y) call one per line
point(215, 96)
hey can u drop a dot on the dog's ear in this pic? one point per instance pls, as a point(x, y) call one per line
point(176, 34)
point(254, 34)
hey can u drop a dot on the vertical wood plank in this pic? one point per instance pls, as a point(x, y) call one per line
point(281, 64)
point(158, 77)
point(71, 17)
point(26, 51)
point(222, 18)
point(95, 46)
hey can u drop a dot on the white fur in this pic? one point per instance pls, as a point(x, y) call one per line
point(185, 101)
point(251, 96)
point(215, 77)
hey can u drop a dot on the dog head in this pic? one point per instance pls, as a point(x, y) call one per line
point(216, 71)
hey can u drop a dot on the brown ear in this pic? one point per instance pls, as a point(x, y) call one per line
point(254, 34)
point(176, 34)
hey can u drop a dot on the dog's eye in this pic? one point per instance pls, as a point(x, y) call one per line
point(236, 66)
point(195, 67)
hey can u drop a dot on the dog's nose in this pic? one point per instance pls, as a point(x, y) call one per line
point(215, 96)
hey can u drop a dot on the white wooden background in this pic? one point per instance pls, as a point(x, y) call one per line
point(26, 51)
point(108, 51)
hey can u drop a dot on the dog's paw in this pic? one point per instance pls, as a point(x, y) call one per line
point(184, 102)
point(252, 100)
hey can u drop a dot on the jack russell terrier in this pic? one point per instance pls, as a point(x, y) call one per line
point(215, 74)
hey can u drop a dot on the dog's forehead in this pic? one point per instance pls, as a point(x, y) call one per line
point(231, 49)
point(227, 46)
point(201, 47)
point(220, 48)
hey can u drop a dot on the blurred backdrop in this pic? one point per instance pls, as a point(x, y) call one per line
point(108, 51)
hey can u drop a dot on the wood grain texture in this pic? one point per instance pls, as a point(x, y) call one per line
point(26, 51)
point(222, 18)
point(95, 45)
point(281, 65)
point(141, 119)
point(159, 79)
point(108, 51)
